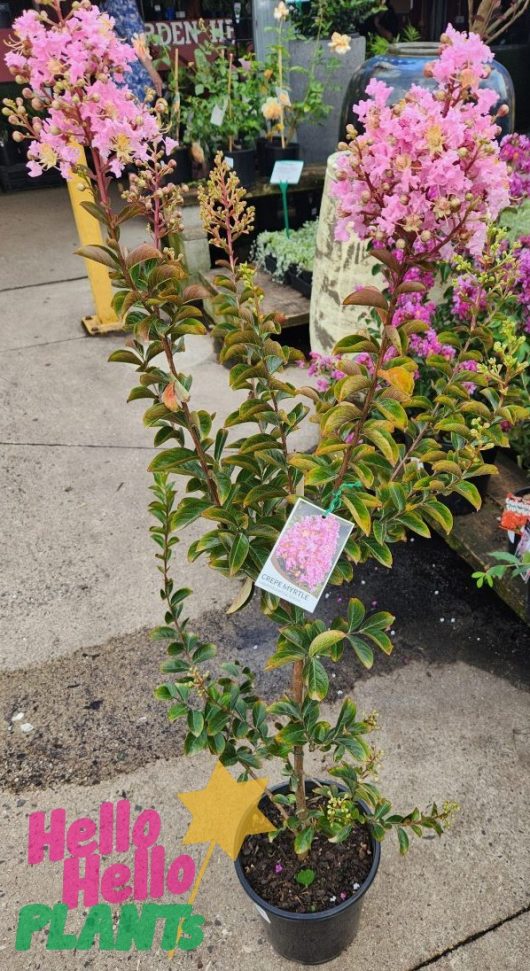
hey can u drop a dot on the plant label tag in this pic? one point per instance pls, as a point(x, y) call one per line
point(516, 513)
point(304, 555)
point(229, 161)
point(286, 171)
point(218, 114)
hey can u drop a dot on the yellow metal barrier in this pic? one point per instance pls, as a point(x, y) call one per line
point(89, 231)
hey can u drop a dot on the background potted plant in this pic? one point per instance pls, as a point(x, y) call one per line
point(289, 258)
point(300, 94)
point(324, 40)
point(178, 87)
point(221, 113)
point(245, 489)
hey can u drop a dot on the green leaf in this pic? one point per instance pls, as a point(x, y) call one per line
point(203, 653)
point(363, 651)
point(243, 596)
point(238, 554)
point(403, 841)
point(188, 511)
point(286, 654)
point(171, 458)
point(413, 521)
point(379, 552)
point(439, 512)
point(356, 613)
point(322, 642)
point(303, 841)
point(359, 511)
point(305, 877)
point(317, 680)
point(469, 492)
point(125, 357)
point(195, 723)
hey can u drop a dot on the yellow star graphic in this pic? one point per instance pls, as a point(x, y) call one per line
point(225, 812)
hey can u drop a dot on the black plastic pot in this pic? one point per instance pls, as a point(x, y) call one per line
point(300, 280)
point(311, 938)
point(182, 172)
point(244, 166)
point(460, 506)
point(273, 152)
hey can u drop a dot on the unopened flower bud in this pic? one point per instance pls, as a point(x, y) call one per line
point(37, 104)
point(400, 244)
point(426, 236)
point(365, 196)
point(445, 39)
point(503, 111)
point(19, 79)
point(27, 93)
point(12, 119)
point(463, 152)
point(428, 71)
point(17, 136)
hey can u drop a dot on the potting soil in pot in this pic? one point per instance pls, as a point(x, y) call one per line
point(340, 869)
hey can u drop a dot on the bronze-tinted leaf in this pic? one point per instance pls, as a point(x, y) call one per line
point(142, 253)
point(366, 297)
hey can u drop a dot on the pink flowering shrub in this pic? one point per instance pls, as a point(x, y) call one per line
point(74, 67)
point(307, 549)
point(515, 151)
point(426, 175)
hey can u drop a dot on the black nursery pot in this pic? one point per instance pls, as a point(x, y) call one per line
point(300, 280)
point(311, 938)
point(244, 166)
point(272, 152)
point(182, 172)
point(460, 506)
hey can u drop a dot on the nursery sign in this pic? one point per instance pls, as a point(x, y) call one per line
point(138, 887)
point(304, 555)
point(187, 34)
point(89, 853)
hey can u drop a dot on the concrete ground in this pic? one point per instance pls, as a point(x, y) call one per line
point(79, 589)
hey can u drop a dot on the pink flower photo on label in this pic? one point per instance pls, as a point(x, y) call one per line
point(307, 549)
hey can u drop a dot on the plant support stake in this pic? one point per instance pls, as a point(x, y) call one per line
point(283, 189)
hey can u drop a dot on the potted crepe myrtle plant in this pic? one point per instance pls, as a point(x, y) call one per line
point(243, 489)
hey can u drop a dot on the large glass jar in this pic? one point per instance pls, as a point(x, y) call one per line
point(403, 66)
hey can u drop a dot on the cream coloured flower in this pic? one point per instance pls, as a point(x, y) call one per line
point(340, 43)
point(271, 109)
point(281, 12)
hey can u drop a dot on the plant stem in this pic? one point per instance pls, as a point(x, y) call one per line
point(297, 689)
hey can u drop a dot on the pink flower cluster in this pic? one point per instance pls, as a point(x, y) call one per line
point(308, 548)
point(326, 368)
point(467, 296)
point(524, 282)
point(425, 177)
point(423, 345)
point(468, 366)
point(76, 50)
point(75, 69)
point(515, 151)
